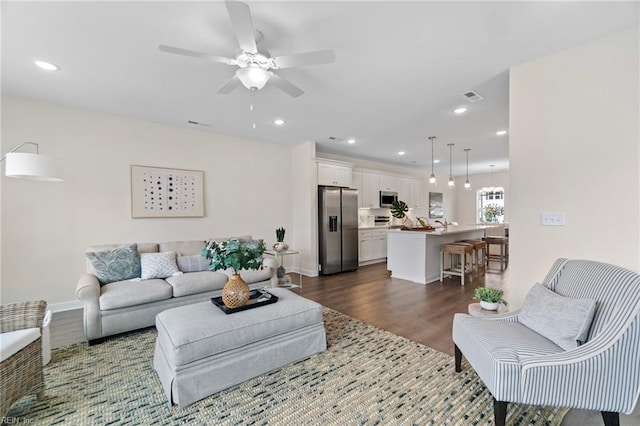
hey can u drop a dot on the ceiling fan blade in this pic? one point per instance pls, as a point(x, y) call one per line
point(229, 86)
point(309, 58)
point(284, 85)
point(240, 16)
point(194, 54)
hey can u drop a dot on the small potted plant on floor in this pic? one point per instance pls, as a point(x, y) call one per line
point(490, 298)
point(236, 255)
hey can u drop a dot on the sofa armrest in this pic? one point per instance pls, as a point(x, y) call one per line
point(271, 263)
point(88, 291)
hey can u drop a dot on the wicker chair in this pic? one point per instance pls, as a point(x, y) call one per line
point(21, 374)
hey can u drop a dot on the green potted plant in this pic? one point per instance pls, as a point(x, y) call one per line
point(236, 255)
point(399, 210)
point(280, 245)
point(490, 298)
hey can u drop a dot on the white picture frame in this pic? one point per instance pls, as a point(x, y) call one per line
point(163, 192)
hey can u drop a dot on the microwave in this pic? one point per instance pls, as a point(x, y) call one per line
point(387, 198)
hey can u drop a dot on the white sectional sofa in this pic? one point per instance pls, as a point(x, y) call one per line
point(112, 307)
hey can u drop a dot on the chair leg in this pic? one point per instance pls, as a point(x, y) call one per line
point(499, 412)
point(458, 358)
point(610, 418)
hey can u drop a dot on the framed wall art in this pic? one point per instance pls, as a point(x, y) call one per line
point(435, 205)
point(161, 192)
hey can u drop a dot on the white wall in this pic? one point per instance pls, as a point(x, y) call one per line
point(46, 227)
point(574, 148)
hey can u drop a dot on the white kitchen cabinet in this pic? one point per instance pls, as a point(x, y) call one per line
point(370, 190)
point(356, 183)
point(373, 245)
point(410, 192)
point(334, 175)
point(388, 183)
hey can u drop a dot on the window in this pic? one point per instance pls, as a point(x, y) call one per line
point(491, 205)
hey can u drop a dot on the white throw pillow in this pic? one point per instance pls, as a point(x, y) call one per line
point(563, 320)
point(158, 265)
point(193, 263)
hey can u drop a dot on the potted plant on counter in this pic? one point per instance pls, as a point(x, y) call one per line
point(490, 298)
point(236, 255)
point(399, 210)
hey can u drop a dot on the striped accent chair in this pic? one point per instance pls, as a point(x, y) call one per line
point(519, 365)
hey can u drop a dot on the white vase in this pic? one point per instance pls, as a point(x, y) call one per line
point(489, 306)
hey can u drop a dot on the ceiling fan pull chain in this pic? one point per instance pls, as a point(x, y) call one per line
point(252, 109)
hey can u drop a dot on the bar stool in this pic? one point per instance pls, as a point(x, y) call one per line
point(460, 250)
point(503, 257)
point(479, 255)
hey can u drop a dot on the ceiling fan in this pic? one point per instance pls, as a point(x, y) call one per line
point(254, 68)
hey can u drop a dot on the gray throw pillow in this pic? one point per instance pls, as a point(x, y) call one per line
point(563, 320)
point(119, 264)
point(158, 265)
point(193, 263)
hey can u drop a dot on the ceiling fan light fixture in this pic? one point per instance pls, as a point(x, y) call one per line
point(253, 77)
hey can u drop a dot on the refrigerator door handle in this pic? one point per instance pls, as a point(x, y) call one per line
point(333, 223)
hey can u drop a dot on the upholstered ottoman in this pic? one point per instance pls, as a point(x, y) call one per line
point(200, 350)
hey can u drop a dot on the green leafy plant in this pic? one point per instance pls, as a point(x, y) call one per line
point(235, 254)
point(490, 295)
point(399, 209)
point(492, 211)
point(280, 235)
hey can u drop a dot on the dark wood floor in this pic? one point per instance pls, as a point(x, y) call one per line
point(423, 313)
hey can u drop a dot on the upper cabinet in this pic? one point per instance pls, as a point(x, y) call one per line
point(370, 190)
point(356, 182)
point(334, 174)
point(389, 183)
point(409, 192)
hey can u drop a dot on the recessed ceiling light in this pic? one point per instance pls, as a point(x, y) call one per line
point(501, 132)
point(47, 66)
point(278, 122)
point(351, 141)
point(436, 161)
point(401, 152)
point(460, 110)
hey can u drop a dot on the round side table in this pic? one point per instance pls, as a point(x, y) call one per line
point(476, 311)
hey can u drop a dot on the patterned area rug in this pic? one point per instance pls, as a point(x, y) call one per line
point(367, 377)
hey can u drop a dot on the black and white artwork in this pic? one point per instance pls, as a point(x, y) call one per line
point(161, 192)
point(435, 205)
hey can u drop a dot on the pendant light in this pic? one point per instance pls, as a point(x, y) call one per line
point(432, 178)
point(451, 183)
point(492, 189)
point(467, 184)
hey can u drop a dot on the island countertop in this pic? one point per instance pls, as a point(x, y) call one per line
point(451, 229)
point(415, 255)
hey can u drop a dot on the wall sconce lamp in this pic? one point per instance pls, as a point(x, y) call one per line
point(25, 165)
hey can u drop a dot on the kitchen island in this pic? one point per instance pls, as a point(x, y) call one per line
point(415, 255)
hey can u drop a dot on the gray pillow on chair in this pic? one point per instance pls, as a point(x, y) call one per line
point(563, 320)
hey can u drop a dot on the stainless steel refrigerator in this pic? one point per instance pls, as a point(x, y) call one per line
point(337, 229)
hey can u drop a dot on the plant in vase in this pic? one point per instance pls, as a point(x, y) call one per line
point(399, 210)
point(236, 255)
point(489, 298)
point(280, 245)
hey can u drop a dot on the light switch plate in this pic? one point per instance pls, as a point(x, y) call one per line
point(552, 219)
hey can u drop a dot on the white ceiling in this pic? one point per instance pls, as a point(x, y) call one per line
point(400, 70)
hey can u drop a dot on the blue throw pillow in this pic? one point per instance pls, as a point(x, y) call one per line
point(116, 265)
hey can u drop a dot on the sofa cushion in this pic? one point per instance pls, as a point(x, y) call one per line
point(251, 276)
point(131, 293)
point(193, 263)
point(12, 342)
point(118, 264)
point(142, 248)
point(563, 320)
point(191, 246)
point(158, 265)
point(196, 282)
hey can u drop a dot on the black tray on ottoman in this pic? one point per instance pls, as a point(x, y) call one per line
point(255, 300)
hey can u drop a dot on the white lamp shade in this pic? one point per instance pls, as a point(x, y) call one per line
point(33, 166)
point(253, 77)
